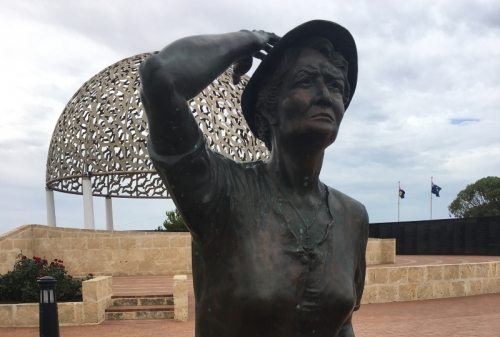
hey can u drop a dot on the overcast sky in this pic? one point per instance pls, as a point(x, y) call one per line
point(427, 102)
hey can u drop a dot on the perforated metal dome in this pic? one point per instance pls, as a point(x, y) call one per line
point(102, 133)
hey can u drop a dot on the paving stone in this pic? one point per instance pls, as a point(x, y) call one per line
point(475, 316)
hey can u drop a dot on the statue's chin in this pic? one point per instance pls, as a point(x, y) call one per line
point(314, 139)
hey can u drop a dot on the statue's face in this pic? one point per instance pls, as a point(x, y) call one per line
point(310, 106)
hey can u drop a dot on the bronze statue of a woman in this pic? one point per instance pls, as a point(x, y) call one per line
point(276, 253)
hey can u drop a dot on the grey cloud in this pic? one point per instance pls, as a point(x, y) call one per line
point(421, 65)
point(479, 16)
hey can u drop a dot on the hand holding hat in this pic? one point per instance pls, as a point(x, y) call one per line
point(265, 42)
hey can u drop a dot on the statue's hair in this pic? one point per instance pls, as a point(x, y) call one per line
point(267, 98)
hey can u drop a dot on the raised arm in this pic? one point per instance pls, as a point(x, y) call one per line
point(183, 69)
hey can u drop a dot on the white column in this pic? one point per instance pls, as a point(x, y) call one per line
point(51, 207)
point(109, 213)
point(88, 206)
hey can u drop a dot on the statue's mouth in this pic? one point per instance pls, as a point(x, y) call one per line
point(323, 116)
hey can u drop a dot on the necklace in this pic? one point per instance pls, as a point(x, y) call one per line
point(304, 235)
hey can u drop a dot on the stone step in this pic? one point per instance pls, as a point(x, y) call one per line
point(142, 300)
point(130, 312)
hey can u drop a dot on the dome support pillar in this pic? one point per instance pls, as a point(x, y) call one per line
point(51, 207)
point(109, 213)
point(88, 206)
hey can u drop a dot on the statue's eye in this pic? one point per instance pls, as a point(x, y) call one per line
point(303, 81)
point(335, 83)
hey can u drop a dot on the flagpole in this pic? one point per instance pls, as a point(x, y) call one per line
point(399, 197)
point(431, 197)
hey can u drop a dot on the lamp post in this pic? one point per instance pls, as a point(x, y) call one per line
point(49, 321)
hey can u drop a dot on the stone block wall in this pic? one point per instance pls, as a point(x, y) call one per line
point(96, 295)
point(180, 297)
point(23, 314)
point(121, 253)
point(100, 252)
point(12, 244)
point(96, 298)
point(380, 251)
point(393, 284)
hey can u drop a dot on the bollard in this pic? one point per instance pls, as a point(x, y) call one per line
point(49, 321)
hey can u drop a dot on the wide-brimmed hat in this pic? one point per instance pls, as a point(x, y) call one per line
point(342, 42)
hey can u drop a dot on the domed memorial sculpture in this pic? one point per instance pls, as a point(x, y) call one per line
point(100, 137)
point(276, 252)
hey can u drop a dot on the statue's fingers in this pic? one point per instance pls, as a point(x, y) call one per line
point(267, 47)
point(273, 38)
point(260, 55)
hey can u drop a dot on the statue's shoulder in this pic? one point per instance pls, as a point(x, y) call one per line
point(341, 202)
point(243, 175)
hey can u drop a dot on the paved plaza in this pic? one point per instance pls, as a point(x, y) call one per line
point(475, 316)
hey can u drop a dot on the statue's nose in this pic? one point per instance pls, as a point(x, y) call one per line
point(323, 95)
point(322, 88)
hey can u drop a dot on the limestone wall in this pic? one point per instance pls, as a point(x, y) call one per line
point(100, 252)
point(380, 251)
point(392, 284)
point(12, 244)
point(96, 295)
point(180, 291)
point(120, 253)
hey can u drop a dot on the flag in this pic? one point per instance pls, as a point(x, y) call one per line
point(402, 193)
point(435, 189)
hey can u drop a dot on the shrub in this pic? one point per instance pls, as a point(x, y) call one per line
point(173, 223)
point(19, 285)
